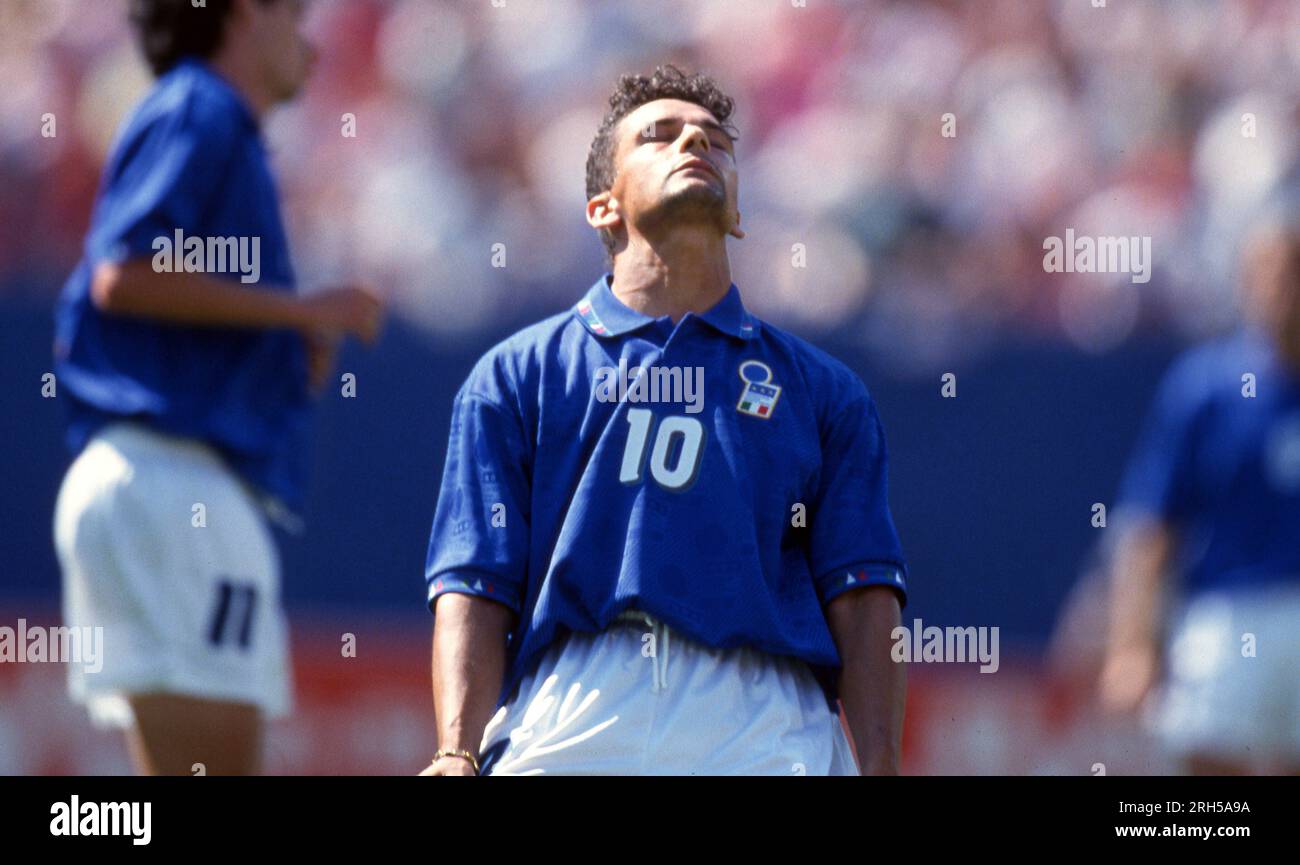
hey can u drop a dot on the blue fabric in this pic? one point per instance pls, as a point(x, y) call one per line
point(1222, 468)
point(733, 525)
point(190, 159)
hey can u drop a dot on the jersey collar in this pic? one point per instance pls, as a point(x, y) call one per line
point(605, 315)
point(730, 316)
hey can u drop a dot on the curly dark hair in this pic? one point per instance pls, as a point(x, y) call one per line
point(633, 91)
point(169, 30)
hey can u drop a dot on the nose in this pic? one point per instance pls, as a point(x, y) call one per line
point(695, 135)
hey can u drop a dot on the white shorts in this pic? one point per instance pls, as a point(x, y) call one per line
point(613, 704)
point(1222, 703)
point(188, 597)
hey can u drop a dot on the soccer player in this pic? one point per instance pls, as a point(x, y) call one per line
point(662, 543)
point(1213, 494)
point(188, 362)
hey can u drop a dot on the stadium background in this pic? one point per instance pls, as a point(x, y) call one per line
point(923, 256)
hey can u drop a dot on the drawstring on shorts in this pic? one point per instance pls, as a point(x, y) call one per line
point(659, 675)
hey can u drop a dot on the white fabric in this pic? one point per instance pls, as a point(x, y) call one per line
point(1219, 702)
point(604, 704)
point(135, 564)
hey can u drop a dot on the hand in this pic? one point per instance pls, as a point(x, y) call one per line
point(349, 310)
point(1127, 676)
point(449, 765)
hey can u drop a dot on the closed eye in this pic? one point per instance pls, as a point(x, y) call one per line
point(667, 130)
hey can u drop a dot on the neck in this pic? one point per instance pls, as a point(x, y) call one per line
point(681, 273)
point(1289, 354)
point(240, 74)
point(1285, 352)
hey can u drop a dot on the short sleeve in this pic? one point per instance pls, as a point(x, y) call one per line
point(853, 541)
point(479, 543)
point(166, 175)
point(1160, 479)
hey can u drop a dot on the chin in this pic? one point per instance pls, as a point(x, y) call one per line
point(697, 199)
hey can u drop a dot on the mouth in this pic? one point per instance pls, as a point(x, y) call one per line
point(698, 165)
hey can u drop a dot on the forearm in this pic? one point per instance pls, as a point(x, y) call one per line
point(469, 663)
point(873, 688)
point(1137, 586)
point(134, 288)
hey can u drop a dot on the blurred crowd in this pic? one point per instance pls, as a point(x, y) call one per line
point(868, 212)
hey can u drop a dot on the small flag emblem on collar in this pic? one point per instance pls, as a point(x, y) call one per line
point(593, 321)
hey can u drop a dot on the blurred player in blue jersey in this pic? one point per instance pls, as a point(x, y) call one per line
point(188, 362)
point(1213, 493)
point(662, 543)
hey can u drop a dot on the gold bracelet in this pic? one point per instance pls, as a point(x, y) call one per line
point(453, 752)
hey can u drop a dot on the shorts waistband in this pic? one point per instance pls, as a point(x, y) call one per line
point(634, 615)
point(131, 437)
point(135, 439)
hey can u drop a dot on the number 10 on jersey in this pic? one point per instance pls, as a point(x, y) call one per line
point(677, 435)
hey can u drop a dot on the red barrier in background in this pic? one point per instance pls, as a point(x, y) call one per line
point(372, 714)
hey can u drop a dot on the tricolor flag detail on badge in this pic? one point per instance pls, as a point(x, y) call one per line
point(760, 395)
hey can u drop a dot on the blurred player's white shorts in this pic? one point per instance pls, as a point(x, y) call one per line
point(596, 704)
point(186, 609)
point(1220, 703)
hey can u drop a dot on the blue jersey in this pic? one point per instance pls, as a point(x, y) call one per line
point(719, 474)
point(1223, 468)
point(189, 160)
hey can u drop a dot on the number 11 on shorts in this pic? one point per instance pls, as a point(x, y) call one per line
point(232, 618)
